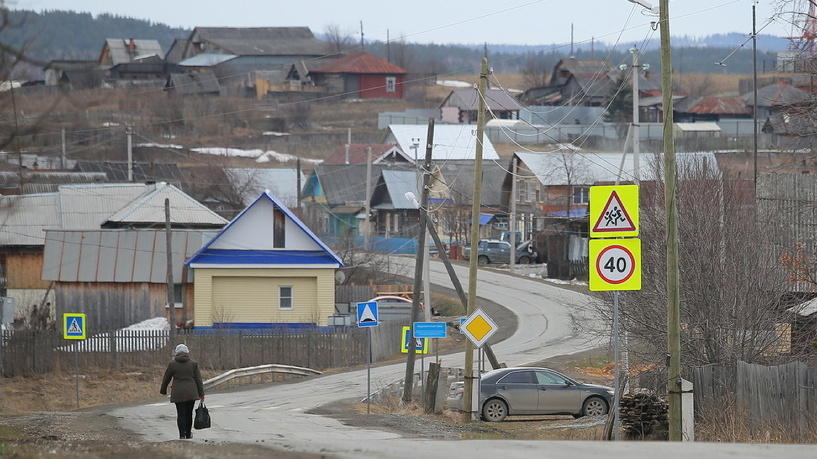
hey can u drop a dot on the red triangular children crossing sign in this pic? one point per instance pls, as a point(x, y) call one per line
point(619, 215)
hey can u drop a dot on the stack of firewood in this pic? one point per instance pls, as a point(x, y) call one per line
point(643, 415)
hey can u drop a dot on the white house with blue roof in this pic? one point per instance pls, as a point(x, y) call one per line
point(264, 270)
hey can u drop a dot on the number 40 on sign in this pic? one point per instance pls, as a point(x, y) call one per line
point(615, 264)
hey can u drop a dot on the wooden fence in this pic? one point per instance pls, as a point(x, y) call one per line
point(781, 395)
point(37, 352)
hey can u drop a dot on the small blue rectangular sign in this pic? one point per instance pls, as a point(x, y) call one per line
point(430, 330)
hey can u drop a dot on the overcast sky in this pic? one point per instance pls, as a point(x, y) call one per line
point(532, 22)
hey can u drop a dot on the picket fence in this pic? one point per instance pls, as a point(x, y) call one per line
point(36, 352)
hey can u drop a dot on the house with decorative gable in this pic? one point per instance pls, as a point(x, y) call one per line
point(264, 270)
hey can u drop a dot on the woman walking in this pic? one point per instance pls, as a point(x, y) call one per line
point(187, 387)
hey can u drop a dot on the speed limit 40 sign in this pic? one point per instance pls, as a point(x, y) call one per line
point(615, 264)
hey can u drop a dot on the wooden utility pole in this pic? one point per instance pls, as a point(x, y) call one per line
point(476, 199)
point(418, 267)
point(366, 221)
point(673, 275)
point(171, 303)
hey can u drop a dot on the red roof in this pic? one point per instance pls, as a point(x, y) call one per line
point(360, 63)
point(721, 106)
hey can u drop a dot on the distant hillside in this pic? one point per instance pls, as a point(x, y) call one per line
point(69, 35)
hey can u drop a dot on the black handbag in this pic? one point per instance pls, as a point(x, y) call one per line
point(202, 419)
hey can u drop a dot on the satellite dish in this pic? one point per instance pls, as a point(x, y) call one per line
point(340, 277)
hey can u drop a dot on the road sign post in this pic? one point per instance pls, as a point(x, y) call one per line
point(615, 262)
point(73, 327)
point(368, 316)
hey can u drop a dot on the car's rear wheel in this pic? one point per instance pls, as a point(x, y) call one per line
point(482, 259)
point(594, 406)
point(494, 410)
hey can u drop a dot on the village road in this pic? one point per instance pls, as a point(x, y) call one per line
point(276, 416)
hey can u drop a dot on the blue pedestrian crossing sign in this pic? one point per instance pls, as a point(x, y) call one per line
point(367, 314)
point(73, 326)
point(420, 344)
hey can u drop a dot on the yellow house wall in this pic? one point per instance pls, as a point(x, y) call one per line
point(251, 295)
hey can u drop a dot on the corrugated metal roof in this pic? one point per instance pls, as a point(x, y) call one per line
point(262, 41)
point(398, 183)
point(142, 172)
point(495, 99)
point(206, 60)
point(91, 207)
point(552, 168)
point(118, 255)
point(345, 184)
point(778, 94)
point(121, 54)
point(451, 141)
point(23, 218)
point(358, 154)
point(201, 83)
point(714, 106)
point(150, 208)
point(360, 63)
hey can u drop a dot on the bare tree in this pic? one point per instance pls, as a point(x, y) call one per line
point(731, 293)
point(339, 39)
point(536, 71)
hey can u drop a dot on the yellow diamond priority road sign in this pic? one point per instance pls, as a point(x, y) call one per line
point(478, 327)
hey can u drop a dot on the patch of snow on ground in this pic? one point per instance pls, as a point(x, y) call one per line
point(260, 156)
point(159, 145)
point(454, 83)
point(142, 336)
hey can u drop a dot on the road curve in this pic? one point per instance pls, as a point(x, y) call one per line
point(275, 416)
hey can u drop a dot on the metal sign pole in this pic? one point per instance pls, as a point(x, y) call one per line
point(617, 393)
point(369, 371)
point(76, 363)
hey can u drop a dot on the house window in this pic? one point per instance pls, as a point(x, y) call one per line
point(391, 84)
point(285, 297)
point(581, 195)
point(523, 190)
point(278, 229)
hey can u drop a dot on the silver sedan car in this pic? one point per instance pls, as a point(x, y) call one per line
point(536, 391)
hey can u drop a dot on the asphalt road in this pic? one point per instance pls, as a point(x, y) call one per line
point(547, 317)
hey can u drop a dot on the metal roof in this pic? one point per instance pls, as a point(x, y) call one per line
point(262, 41)
point(360, 63)
point(249, 243)
point(358, 154)
point(118, 255)
point(467, 99)
point(91, 207)
point(119, 49)
point(397, 184)
point(586, 169)
point(451, 141)
point(345, 184)
point(206, 60)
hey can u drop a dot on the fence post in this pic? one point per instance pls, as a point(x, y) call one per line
point(112, 347)
point(240, 348)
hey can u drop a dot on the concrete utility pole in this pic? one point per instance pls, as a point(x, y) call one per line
point(418, 267)
point(171, 301)
point(366, 222)
point(129, 133)
point(673, 275)
point(636, 135)
point(476, 200)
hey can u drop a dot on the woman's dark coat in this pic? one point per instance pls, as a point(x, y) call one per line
point(187, 384)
